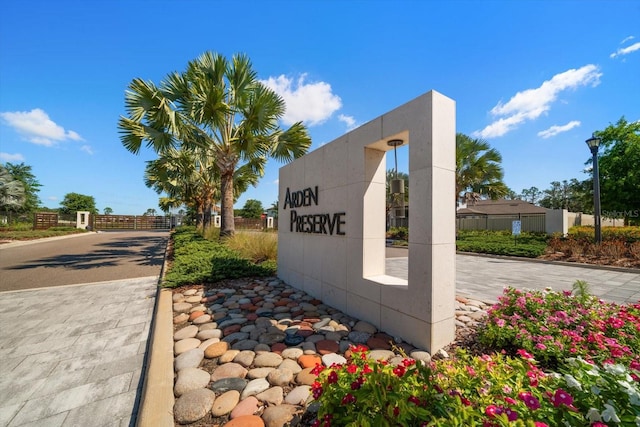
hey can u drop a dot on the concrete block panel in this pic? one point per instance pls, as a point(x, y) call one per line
point(345, 179)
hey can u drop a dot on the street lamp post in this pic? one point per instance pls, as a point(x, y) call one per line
point(594, 144)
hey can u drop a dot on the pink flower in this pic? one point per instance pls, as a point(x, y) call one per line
point(541, 346)
point(561, 397)
point(540, 424)
point(493, 411)
point(525, 354)
point(530, 400)
point(511, 414)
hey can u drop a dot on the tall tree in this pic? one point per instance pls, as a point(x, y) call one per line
point(478, 169)
point(74, 202)
point(620, 169)
point(531, 195)
point(252, 209)
point(107, 211)
point(221, 106)
point(12, 194)
point(24, 174)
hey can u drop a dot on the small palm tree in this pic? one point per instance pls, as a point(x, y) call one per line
point(12, 194)
point(478, 169)
point(221, 107)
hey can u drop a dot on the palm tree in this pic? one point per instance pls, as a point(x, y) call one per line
point(221, 107)
point(478, 169)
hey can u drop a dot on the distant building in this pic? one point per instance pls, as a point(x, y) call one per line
point(482, 208)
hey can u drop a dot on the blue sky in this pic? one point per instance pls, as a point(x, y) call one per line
point(533, 78)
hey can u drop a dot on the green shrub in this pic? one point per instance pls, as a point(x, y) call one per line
point(530, 245)
point(398, 233)
point(199, 260)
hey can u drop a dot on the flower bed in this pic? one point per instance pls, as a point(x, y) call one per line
point(560, 360)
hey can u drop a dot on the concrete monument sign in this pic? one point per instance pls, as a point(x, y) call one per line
point(331, 230)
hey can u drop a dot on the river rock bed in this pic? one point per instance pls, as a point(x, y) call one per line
point(244, 350)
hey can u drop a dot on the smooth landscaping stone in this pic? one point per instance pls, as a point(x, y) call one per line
point(187, 332)
point(205, 318)
point(259, 372)
point(225, 403)
point(181, 307)
point(189, 359)
point(207, 343)
point(333, 359)
point(193, 405)
point(226, 384)
point(267, 360)
point(380, 354)
point(228, 356)
point(291, 365)
point(216, 350)
point(280, 377)
point(229, 370)
point(247, 406)
point(298, 396)
point(246, 421)
point(254, 387)
point(305, 377)
point(280, 416)
point(309, 360)
point(421, 356)
point(207, 334)
point(291, 353)
point(272, 396)
point(359, 337)
point(190, 379)
point(245, 358)
point(180, 318)
point(185, 345)
point(245, 345)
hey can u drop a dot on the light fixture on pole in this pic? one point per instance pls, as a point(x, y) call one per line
point(397, 185)
point(594, 143)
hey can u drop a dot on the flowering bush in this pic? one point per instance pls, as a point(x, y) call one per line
point(578, 336)
point(554, 326)
point(464, 391)
point(608, 394)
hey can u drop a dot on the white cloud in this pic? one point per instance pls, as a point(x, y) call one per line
point(626, 50)
point(627, 39)
point(36, 126)
point(276, 182)
point(87, 149)
point(312, 103)
point(555, 129)
point(532, 103)
point(6, 157)
point(348, 120)
point(52, 198)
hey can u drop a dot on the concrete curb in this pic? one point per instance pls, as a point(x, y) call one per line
point(156, 407)
point(156, 403)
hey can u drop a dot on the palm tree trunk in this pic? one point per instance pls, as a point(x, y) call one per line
point(206, 220)
point(227, 224)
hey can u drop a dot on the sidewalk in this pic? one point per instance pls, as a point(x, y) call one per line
point(485, 277)
point(73, 355)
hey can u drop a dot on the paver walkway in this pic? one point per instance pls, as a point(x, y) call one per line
point(73, 355)
point(485, 277)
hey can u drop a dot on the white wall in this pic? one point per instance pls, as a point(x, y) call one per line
point(347, 271)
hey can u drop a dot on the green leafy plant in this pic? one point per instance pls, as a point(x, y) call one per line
point(199, 260)
point(574, 325)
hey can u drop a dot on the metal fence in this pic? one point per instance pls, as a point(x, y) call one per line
point(531, 222)
point(130, 222)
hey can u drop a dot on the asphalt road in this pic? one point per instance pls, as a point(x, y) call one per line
point(88, 258)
